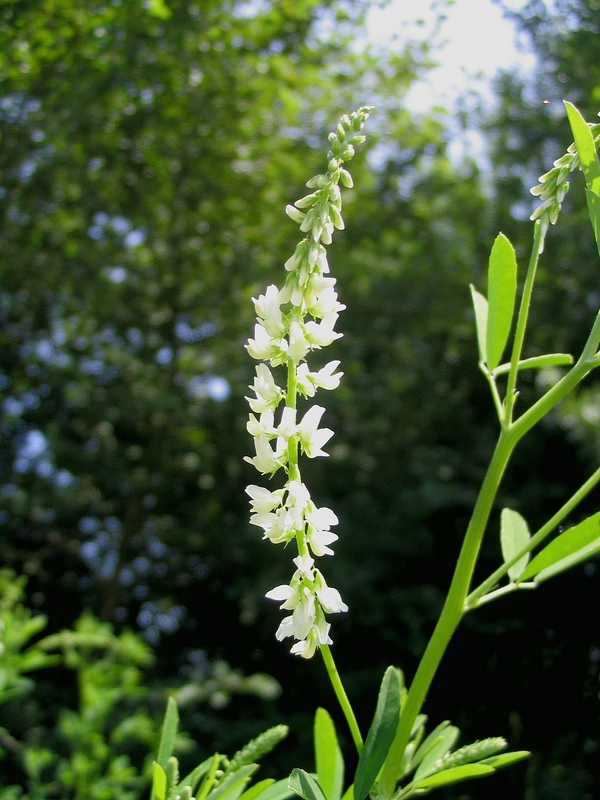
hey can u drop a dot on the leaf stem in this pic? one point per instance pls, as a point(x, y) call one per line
point(342, 697)
point(474, 599)
point(536, 249)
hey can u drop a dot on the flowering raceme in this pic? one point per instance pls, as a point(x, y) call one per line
point(290, 324)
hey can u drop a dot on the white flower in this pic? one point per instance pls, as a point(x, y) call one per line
point(322, 334)
point(298, 346)
point(266, 460)
point(287, 426)
point(324, 378)
point(262, 346)
point(262, 427)
point(285, 593)
point(304, 614)
point(268, 394)
point(268, 309)
point(262, 500)
point(306, 648)
point(311, 437)
point(305, 565)
point(299, 493)
point(330, 599)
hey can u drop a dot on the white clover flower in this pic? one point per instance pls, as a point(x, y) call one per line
point(321, 334)
point(268, 308)
point(267, 461)
point(268, 394)
point(262, 500)
point(291, 322)
point(312, 438)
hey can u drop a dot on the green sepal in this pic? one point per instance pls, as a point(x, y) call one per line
point(514, 536)
point(538, 362)
point(328, 756)
point(159, 781)
point(169, 732)
point(502, 290)
point(480, 307)
point(584, 141)
point(381, 733)
point(455, 774)
point(304, 785)
point(574, 545)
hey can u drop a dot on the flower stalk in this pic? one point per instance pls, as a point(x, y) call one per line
point(291, 323)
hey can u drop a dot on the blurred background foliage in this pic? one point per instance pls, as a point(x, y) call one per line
point(147, 152)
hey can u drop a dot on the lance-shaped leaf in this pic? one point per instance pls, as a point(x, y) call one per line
point(480, 306)
point(381, 733)
point(330, 764)
point(502, 289)
point(504, 759)
point(574, 545)
point(586, 148)
point(514, 536)
point(280, 790)
point(169, 732)
point(455, 774)
point(441, 745)
point(159, 781)
point(304, 785)
point(538, 362)
point(429, 743)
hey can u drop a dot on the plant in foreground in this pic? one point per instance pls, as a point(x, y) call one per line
point(397, 760)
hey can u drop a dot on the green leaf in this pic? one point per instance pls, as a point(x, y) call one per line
point(233, 785)
point(429, 743)
point(502, 289)
point(574, 545)
point(255, 791)
point(330, 763)
point(514, 536)
point(584, 140)
point(304, 785)
point(480, 306)
point(455, 774)
point(280, 790)
point(169, 732)
point(593, 203)
point(349, 793)
point(381, 734)
point(159, 781)
point(537, 362)
point(504, 759)
point(441, 745)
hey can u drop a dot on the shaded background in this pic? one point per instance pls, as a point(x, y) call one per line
point(148, 150)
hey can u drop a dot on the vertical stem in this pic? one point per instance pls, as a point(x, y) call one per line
point(536, 249)
point(342, 697)
point(452, 611)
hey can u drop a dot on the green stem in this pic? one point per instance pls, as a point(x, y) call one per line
point(452, 611)
point(473, 600)
point(538, 242)
point(342, 697)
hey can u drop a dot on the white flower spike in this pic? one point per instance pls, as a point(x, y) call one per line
point(290, 323)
